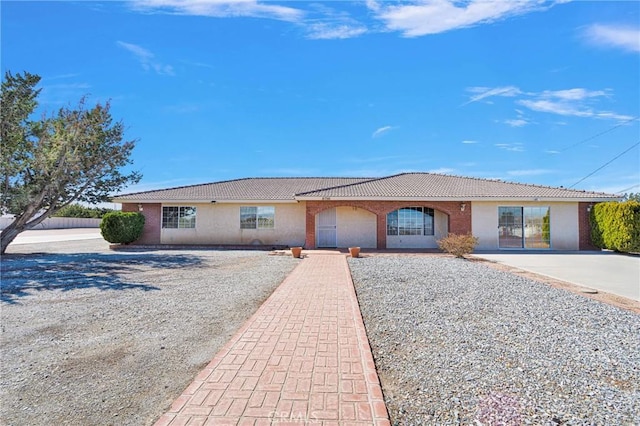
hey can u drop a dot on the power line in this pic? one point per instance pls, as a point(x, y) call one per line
point(627, 189)
point(599, 134)
point(606, 164)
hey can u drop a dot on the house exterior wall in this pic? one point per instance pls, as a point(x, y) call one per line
point(584, 225)
point(564, 223)
point(459, 221)
point(152, 221)
point(360, 223)
point(356, 227)
point(220, 224)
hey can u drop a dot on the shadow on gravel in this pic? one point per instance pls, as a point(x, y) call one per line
point(22, 274)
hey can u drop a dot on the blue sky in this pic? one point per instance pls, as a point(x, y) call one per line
point(525, 91)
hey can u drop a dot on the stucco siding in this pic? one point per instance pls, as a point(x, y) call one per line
point(564, 223)
point(565, 234)
point(356, 227)
point(441, 222)
point(220, 224)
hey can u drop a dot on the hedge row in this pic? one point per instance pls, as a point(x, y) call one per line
point(616, 226)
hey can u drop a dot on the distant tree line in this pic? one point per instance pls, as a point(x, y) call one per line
point(78, 210)
point(631, 196)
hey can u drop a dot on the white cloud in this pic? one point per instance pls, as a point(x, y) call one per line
point(576, 102)
point(436, 16)
point(573, 94)
point(623, 37)
point(318, 22)
point(486, 92)
point(221, 8)
point(516, 122)
point(562, 107)
point(442, 171)
point(512, 147)
point(381, 131)
point(147, 59)
point(469, 142)
point(327, 30)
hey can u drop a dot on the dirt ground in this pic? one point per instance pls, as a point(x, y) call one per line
point(95, 337)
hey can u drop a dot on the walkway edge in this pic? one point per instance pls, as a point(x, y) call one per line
point(373, 381)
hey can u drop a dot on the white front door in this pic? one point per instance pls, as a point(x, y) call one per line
point(327, 229)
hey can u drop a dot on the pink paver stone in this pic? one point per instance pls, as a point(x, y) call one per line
point(302, 358)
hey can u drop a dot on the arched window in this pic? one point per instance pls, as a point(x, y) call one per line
point(410, 221)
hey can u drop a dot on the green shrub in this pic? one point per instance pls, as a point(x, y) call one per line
point(121, 227)
point(616, 226)
point(458, 245)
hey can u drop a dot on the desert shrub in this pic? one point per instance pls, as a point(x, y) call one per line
point(121, 227)
point(458, 245)
point(616, 226)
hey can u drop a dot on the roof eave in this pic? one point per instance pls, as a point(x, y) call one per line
point(202, 201)
point(464, 198)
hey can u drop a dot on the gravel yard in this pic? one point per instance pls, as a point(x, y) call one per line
point(95, 337)
point(457, 342)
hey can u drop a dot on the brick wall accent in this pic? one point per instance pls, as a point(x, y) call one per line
point(459, 221)
point(584, 227)
point(152, 221)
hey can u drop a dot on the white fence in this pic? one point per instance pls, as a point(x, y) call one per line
point(58, 223)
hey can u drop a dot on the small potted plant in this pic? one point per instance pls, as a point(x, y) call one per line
point(354, 251)
point(296, 251)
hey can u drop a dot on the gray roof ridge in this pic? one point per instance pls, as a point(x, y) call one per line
point(237, 180)
point(178, 187)
point(366, 180)
point(504, 181)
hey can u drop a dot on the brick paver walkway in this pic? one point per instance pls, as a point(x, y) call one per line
point(302, 358)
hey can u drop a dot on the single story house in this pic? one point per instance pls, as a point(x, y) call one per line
point(407, 210)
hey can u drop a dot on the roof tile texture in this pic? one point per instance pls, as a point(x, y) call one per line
point(405, 185)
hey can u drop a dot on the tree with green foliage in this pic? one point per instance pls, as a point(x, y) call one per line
point(78, 210)
point(616, 226)
point(546, 228)
point(631, 196)
point(76, 154)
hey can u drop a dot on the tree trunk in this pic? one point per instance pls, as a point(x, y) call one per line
point(8, 235)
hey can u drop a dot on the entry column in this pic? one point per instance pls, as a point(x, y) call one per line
point(310, 235)
point(381, 230)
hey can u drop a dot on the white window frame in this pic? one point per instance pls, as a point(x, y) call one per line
point(264, 217)
point(186, 217)
point(425, 230)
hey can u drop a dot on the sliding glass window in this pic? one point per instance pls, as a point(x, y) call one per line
point(524, 227)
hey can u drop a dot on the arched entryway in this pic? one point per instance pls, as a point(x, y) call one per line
point(449, 216)
point(415, 227)
point(345, 226)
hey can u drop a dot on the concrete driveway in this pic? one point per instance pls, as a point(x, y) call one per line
point(604, 271)
point(33, 236)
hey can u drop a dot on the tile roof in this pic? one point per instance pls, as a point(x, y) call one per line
point(400, 186)
point(430, 185)
point(283, 189)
